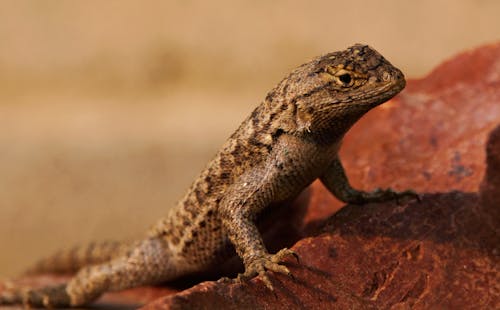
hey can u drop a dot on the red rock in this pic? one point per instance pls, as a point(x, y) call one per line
point(419, 256)
point(436, 254)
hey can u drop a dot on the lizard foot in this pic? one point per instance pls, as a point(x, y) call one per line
point(260, 265)
point(381, 195)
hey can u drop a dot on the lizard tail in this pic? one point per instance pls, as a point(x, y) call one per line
point(73, 259)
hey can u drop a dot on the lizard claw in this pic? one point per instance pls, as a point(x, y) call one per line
point(261, 265)
point(225, 280)
point(284, 253)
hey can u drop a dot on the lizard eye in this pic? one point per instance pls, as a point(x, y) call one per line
point(341, 76)
point(346, 79)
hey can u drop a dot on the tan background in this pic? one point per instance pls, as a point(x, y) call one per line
point(108, 109)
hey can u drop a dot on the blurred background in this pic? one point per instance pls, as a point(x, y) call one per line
point(109, 109)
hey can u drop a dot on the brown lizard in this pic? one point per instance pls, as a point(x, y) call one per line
point(288, 141)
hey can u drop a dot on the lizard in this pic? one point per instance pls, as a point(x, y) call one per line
point(291, 139)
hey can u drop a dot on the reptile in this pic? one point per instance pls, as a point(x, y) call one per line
point(291, 139)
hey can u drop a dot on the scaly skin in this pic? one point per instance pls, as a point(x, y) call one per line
point(287, 142)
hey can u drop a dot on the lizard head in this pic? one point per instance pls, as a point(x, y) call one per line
point(333, 91)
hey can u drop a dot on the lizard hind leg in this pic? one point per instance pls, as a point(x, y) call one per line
point(147, 262)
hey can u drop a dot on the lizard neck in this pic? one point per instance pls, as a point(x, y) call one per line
point(328, 128)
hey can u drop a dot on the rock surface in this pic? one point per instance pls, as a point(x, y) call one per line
point(439, 253)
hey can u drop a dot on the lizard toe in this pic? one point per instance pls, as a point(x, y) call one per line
point(283, 253)
point(260, 266)
point(266, 264)
point(267, 282)
point(226, 280)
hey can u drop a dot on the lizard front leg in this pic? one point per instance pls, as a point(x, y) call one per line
point(244, 201)
point(238, 219)
point(337, 183)
point(244, 235)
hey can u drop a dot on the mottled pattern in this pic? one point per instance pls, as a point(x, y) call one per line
point(287, 142)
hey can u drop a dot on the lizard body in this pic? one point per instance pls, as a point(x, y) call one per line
point(288, 141)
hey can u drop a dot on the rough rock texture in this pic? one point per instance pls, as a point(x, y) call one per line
point(440, 253)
